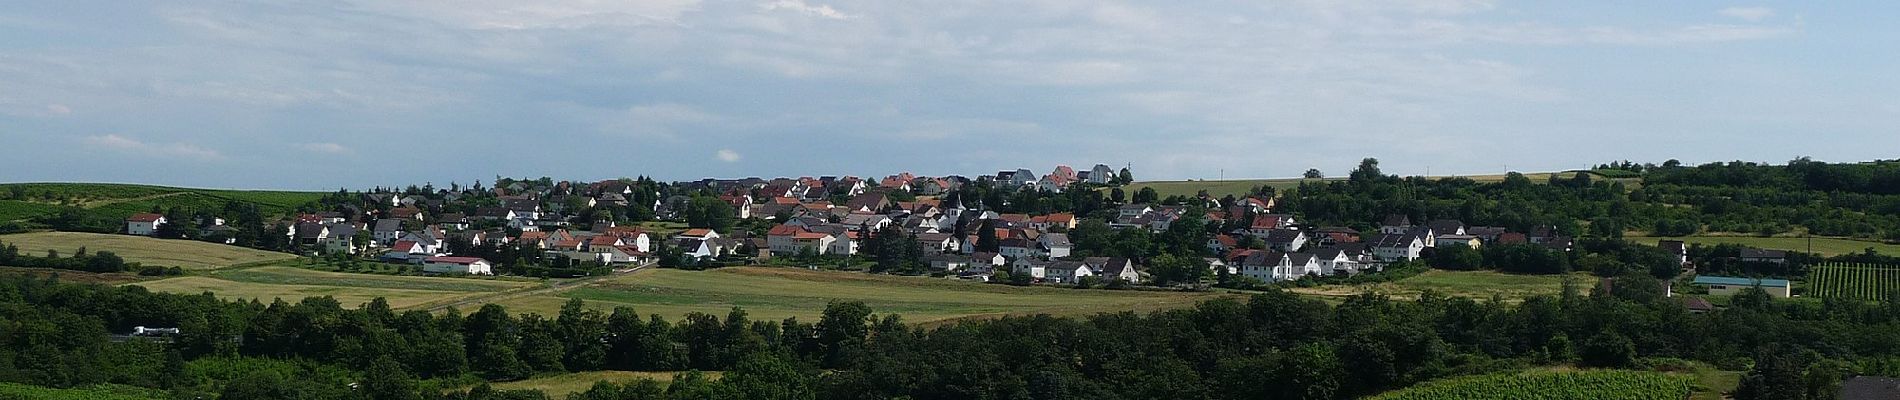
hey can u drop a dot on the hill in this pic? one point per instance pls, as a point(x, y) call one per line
point(22, 201)
point(187, 254)
point(1238, 187)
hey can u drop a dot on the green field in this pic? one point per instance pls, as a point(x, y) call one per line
point(187, 254)
point(121, 200)
point(349, 296)
point(559, 386)
point(280, 275)
point(1239, 187)
point(770, 294)
point(1552, 385)
point(1826, 246)
point(102, 392)
point(1854, 281)
point(1473, 284)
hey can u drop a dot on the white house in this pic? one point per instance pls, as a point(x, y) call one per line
point(1404, 247)
point(1032, 268)
point(457, 265)
point(1066, 271)
point(1056, 244)
point(145, 224)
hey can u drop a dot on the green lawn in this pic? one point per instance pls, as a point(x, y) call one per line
point(349, 296)
point(559, 386)
point(187, 254)
point(1824, 245)
point(1474, 284)
point(770, 294)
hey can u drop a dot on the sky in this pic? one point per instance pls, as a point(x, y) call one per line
point(329, 94)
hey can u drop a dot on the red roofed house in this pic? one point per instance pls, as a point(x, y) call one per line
point(143, 224)
point(457, 265)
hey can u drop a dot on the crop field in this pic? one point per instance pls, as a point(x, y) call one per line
point(1237, 187)
point(101, 392)
point(1552, 385)
point(1853, 281)
point(1826, 246)
point(187, 254)
point(1473, 284)
point(776, 293)
point(121, 200)
point(349, 296)
point(559, 386)
point(280, 275)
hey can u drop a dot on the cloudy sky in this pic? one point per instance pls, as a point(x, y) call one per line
point(326, 94)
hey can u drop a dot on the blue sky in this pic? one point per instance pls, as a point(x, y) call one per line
point(318, 95)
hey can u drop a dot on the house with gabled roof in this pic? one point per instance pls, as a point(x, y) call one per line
point(143, 224)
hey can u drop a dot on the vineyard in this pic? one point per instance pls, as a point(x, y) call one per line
point(1855, 281)
point(1551, 385)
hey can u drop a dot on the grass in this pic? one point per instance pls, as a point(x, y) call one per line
point(187, 254)
point(281, 275)
point(349, 296)
point(74, 276)
point(662, 229)
point(14, 210)
point(559, 386)
point(1826, 246)
point(771, 294)
point(1473, 284)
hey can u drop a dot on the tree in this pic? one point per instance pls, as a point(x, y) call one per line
point(1456, 257)
point(1368, 171)
point(387, 380)
point(1146, 195)
point(1124, 177)
point(767, 377)
point(841, 333)
point(1608, 349)
point(986, 236)
point(1313, 173)
point(710, 212)
point(1168, 269)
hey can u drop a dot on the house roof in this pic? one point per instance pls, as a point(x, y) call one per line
point(1284, 236)
point(1734, 281)
point(455, 260)
point(1445, 225)
point(144, 217)
point(1397, 220)
point(1759, 253)
point(696, 232)
point(1697, 303)
point(387, 225)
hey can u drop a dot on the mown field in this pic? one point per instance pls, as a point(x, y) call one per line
point(1552, 385)
point(559, 386)
point(1824, 245)
point(293, 284)
point(27, 200)
point(769, 294)
point(1853, 281)
point(1473, 284)
point(187, 254)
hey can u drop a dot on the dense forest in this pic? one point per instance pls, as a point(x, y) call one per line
point(1273, 345)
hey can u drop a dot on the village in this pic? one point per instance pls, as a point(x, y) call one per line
point(574, 228)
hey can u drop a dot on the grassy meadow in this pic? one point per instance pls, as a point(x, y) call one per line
point(559, 386)
point(187, 254)
point(26, 200)
point(776, 293)
point(1473, 284)
point(1826, 246)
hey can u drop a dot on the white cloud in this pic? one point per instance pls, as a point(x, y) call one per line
point(1750, 14)
point(122, 143)
point(726, 155)
point(327, 148)
point(799, 6)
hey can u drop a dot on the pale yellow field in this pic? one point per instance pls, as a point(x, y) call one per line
point(559, 386)
point(187, 254)
point(265, 292)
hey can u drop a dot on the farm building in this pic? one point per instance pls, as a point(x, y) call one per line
point(457, 265)
point(143, 224)
point(1723, 285)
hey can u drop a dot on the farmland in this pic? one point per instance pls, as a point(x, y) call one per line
point(559, 386)
point(1853, 281)
point(187, 254)
point(1826, 246)
point(1554, 385)
point(101, 392)
point(1473, 284)
point(292, 284)
point(1237, 187)
point(776, 293)
point(26, 200)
